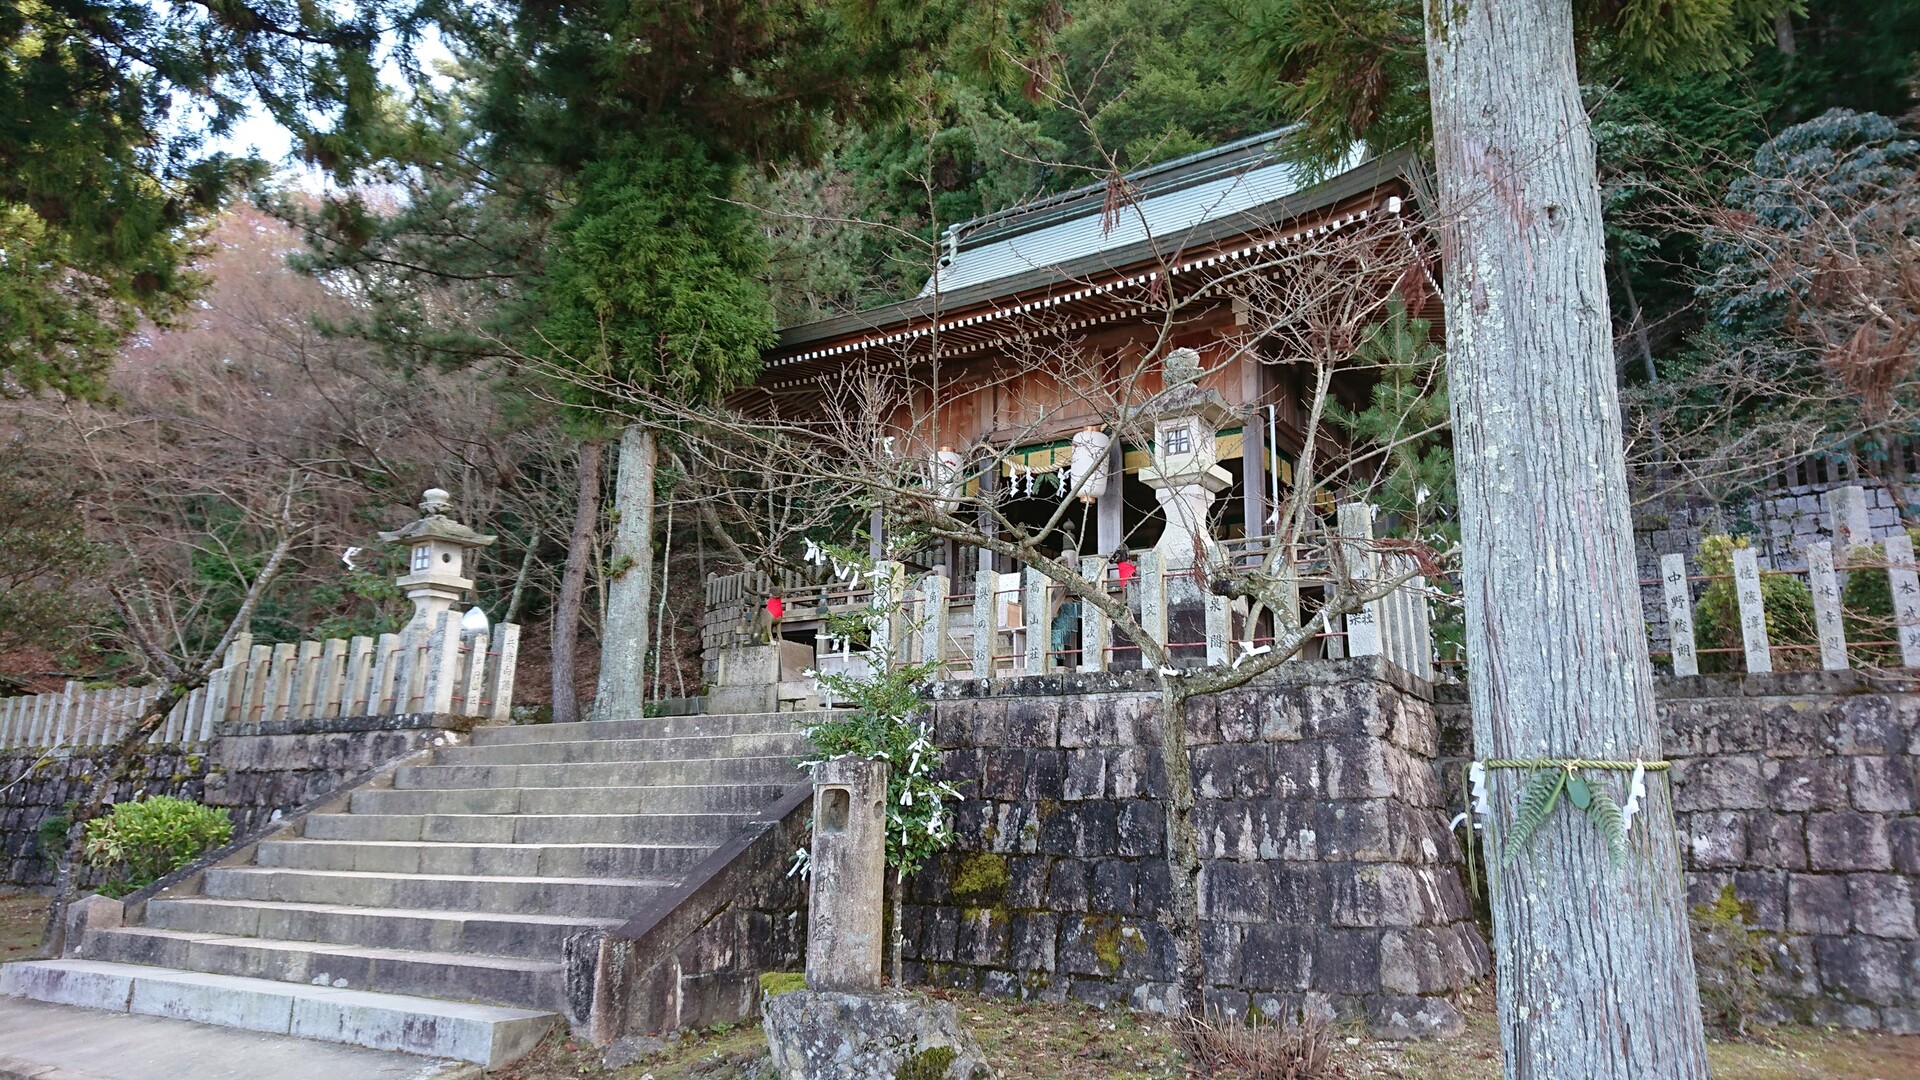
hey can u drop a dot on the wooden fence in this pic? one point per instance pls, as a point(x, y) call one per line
point(444, 670)
point(1005, 624)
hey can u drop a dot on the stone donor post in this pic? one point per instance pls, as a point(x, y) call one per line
point(844, 1025)
point(848, 876)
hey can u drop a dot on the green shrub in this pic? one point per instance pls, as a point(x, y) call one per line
point(53, 833)
point(1716, 617)
point(139, 843)
point(1729, 957)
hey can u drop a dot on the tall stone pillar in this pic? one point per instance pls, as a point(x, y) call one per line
point(848, 876)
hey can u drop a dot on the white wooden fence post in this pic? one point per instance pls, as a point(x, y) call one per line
point(1096, 631)
point(1679, 602)
point(1753, 616)
point(1906, 597)
point(386, 652)
point(1364, 634)
point(359, 677)
point(1153, 602)
point(1827, 622)
point(331, 695)
point(889, 589)
point(1033, 605)
point(1219, 629)
point(1847, 510)
point(443, 654)
point(473, 668)
point(505, 658)
point(986, 623)
point(933, 622)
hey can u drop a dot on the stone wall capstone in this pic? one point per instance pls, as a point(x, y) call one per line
point(1328, 868)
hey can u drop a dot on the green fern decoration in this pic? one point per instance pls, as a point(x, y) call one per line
point(1537, 800)
point(1605, 815)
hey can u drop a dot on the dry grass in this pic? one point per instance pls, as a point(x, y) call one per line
point(1295, 1048)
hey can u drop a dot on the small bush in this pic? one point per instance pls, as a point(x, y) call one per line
point(1729, 958)
point(1224, 1045)
point(1716, 617)
point(53, 833)
point(139, 843)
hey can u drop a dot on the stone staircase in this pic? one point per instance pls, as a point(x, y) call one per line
point(430, 915)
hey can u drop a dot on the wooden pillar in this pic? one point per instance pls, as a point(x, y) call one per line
point(1111, 508)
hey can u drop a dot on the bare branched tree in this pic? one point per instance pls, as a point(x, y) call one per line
point(774, 468)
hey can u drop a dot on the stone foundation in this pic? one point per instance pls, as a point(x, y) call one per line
point(1327, 865)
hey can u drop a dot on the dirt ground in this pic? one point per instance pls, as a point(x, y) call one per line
point(1032, 1041)
point(1035, 1041)
point(21, 923)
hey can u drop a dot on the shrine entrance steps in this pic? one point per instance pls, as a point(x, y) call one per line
point(429, 914)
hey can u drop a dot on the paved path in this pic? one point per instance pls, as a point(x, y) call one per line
point(60, 1042)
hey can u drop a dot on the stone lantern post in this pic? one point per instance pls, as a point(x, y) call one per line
point(437, 551)
point(1186, 477)
point(1184, 474)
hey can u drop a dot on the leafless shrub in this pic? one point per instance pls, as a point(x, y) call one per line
point(1297, 1047)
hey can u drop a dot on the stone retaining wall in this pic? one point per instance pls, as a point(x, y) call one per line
point(254, 773)
point(1328, 868)
point(1798, 790)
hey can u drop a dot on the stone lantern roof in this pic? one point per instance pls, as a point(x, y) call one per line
point(436, 525)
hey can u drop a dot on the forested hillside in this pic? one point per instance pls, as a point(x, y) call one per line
point(304, 362)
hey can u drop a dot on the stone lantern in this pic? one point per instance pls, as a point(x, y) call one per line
point(1185, 474)
point(436, 559)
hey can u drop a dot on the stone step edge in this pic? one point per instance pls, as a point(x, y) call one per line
point(487, 1035)
point(348, 948)
point(297, 906)
point(487, 845)
point(518, 879)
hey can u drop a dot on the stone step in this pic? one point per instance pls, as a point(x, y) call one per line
point(487, 860)
point(600, 898)
point(683, 799)
point(534, 937)
point(787, 744)
point(493, 980)
point(652, 727)
point(708, 829)
point(489, 1035)
point(746, 770)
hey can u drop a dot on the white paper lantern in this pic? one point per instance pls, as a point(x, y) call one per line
point(948, 480)
point(1088, 471)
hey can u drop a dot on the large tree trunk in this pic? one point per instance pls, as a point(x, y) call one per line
point(1595, 974)
point(573, 585)
point(623, 645)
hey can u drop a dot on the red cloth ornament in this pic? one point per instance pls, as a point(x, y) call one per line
point(774, 607)
point(1125, 570)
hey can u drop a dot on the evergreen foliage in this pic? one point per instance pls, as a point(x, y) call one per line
point(105, 190)
point(145, 840)
point(1716, 615)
